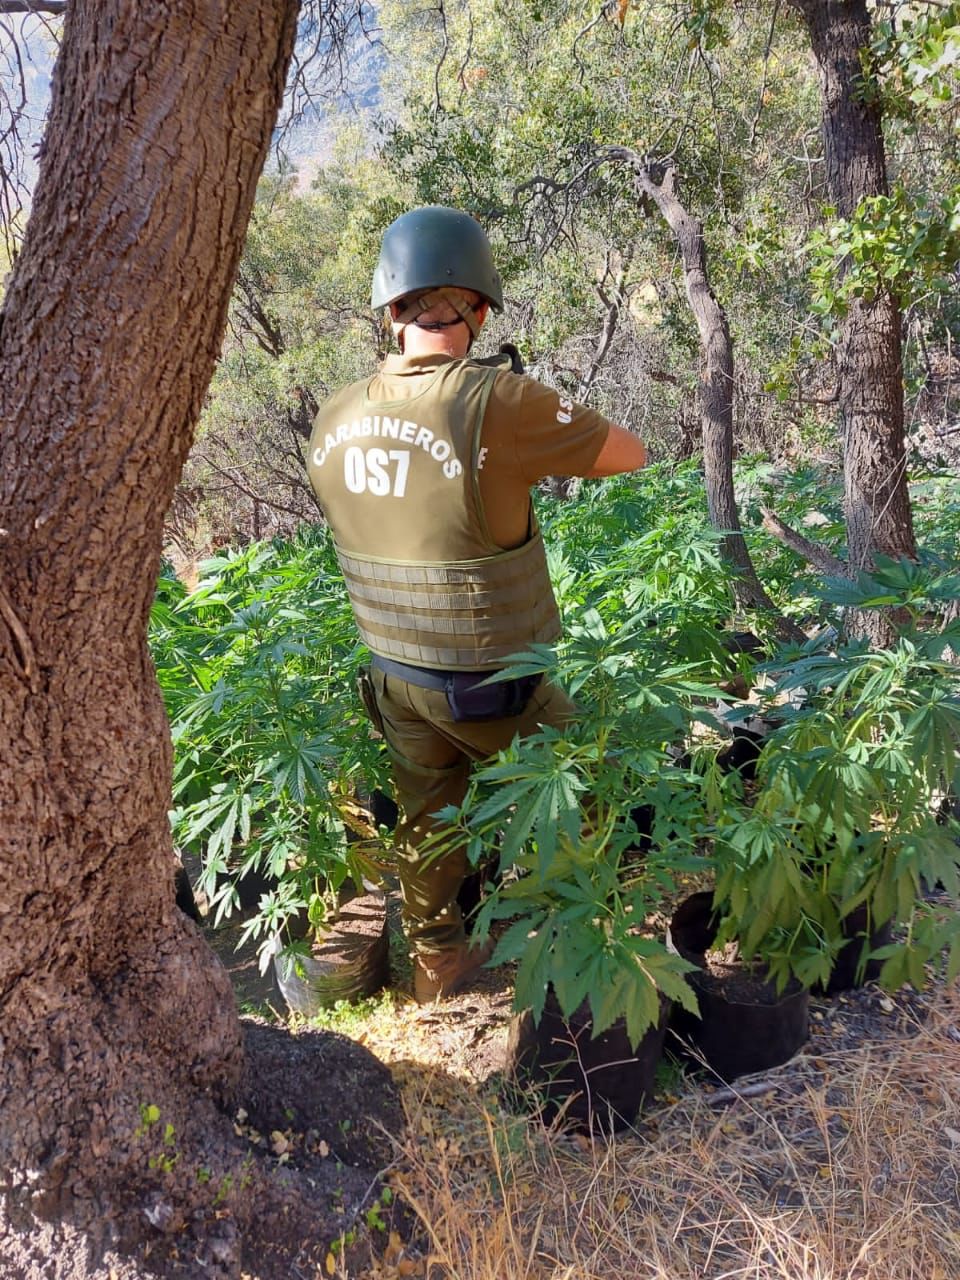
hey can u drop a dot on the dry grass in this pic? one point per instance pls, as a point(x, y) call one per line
point(849, 1171)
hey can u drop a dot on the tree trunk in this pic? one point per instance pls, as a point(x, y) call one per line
point(160, 121)
point(870, 363)
point(716, 382)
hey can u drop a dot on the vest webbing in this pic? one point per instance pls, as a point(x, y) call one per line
point(459, 617)
point(447, 596)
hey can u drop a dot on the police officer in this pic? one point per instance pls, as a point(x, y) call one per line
point(424, 474)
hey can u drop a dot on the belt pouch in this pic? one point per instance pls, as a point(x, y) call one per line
point(368, 696)
point(470, 701)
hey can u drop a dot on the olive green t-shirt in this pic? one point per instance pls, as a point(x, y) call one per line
point(530, 431)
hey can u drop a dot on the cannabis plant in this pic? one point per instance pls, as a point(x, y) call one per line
point(579, 879)
point(257, 668)
point(848, 810)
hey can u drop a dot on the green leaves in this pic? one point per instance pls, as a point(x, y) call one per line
point(623, 976)
point(534, 971)
point(256, 668)
point(908, 244)
point(841, 815)
point(533, 792)
point(905, 584)
point(934, 943)
point(845, 812)
point(558, 806)
point(918, 59)
point(595, 824)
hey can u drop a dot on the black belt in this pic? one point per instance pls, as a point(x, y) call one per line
point(423, 677)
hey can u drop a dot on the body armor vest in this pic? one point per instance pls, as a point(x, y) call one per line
point(398, 483)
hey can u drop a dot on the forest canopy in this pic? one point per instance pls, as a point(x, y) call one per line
point(517, 114)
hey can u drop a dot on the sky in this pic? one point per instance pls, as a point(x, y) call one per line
point(28, 47)
point(27, 51)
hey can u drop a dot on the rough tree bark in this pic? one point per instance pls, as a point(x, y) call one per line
point(869, 350)
point(160, 121)
point(658, 184)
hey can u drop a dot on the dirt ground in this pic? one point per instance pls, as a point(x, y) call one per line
point(447, 1062)
point(466, 1036)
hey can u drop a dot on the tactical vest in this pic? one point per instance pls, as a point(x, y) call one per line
point(398, 482)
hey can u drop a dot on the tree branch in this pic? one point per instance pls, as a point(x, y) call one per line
point(331, 40)
point(608, 10)
point(235, 478)
point(656, 181)
point(437, 100)
point(33, 6)
point(723, 1097)
point(614, 307)
point(763, 81)
point(812, 552)
point(462, 72)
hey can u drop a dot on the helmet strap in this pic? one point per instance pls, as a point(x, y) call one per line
point(466, 312)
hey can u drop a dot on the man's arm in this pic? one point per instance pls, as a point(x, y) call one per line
point(621, 451)
point(554, 436)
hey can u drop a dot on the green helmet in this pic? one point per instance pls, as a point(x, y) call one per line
point(431, 247)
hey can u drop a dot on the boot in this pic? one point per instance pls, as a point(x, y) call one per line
point(441, 973)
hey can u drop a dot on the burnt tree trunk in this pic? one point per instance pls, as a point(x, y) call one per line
point(716, 380)
point(869, 349)
point(111, 1002)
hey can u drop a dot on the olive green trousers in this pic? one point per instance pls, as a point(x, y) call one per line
point(431, 756)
